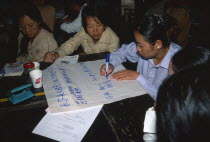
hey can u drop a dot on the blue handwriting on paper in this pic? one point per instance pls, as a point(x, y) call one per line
point(76, 92)
point(101, 87)
point(88, 71)
point(63, 101)
point(108, 84)
point(105, 85)
point(58, 88)
point(65, 76)
point(108, 95)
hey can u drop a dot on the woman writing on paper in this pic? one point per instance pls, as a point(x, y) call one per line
point(34, 39)
point(94, 36)
point(152, 50)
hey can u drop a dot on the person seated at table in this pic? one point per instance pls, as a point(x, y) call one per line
point(152, 50)
point(182, 106)
point(71, 23)
point(189, 57)
point(94, 37)
point(34, 39)
point(183, 59)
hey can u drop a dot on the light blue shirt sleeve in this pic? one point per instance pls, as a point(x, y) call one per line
point(151, 75)
point(126, 52)
point(74, 26)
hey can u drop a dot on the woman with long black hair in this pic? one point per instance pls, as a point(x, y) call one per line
point(35, 38)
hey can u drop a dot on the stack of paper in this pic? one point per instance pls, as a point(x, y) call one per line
point(12, 69)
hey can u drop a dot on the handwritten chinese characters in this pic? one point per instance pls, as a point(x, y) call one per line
point(80, 85)
point(62, 100)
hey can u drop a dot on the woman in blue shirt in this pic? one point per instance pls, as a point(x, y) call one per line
point(152, 50)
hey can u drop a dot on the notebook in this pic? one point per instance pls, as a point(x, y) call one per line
point(12, 69)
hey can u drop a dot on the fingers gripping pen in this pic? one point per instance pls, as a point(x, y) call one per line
point(107, 65)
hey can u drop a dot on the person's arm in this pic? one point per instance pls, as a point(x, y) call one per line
point(73, 26)
point(119, 56)
point(126, 52)
point(45, 45)
point(70, 45)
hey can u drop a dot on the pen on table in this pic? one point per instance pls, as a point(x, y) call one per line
point(107, 65)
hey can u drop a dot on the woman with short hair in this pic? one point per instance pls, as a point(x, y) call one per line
point(94, 37)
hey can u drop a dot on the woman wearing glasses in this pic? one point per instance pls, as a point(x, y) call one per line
point(35, 38)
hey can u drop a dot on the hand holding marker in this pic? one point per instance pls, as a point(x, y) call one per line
point(107, 65)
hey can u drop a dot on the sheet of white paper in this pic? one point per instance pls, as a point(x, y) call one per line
point(67, 60)
point(80, 85)
point(150, 121)
point(69, 126)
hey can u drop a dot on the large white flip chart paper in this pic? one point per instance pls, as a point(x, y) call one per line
point(78, 86)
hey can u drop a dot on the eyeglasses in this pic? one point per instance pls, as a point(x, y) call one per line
point(27, 27)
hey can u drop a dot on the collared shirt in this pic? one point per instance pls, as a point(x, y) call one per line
point(151, 75)
point(44, 42)
point(109, 41)
point(74, 26)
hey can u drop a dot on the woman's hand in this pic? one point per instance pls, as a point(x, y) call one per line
point(103, 69)
point(125, 75)
point(50, 57)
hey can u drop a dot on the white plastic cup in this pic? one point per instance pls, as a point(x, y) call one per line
point(36, 78)
point(36, 65)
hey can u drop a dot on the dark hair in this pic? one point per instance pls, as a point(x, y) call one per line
point(79, 2)
point(182, 106)
point(31, 11)
point(95, 12)
point(153, 28)
point(70, 7)
point(189, 57)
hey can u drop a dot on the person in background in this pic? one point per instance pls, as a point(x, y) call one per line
point(69, 24)
point(152, 50)
point(47, 12)
point(94, 37)
point(72, 22)
point(182, 106)
point(185, 58)
point(34, 39)
point(180, 10)
point(189, 57)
